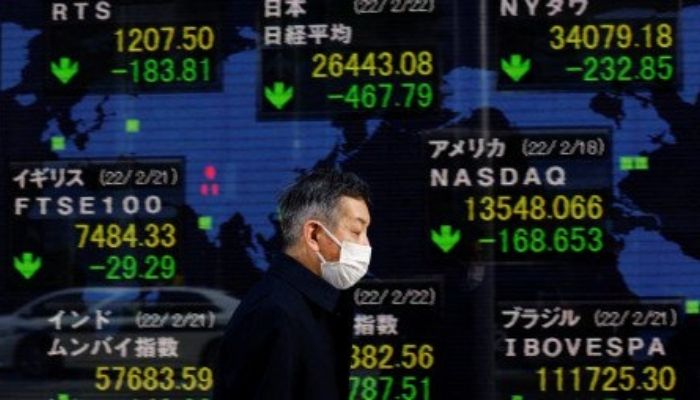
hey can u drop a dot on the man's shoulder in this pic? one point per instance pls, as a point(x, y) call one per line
point(271, 298)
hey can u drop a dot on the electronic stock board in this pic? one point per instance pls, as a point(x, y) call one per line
point(532, 165)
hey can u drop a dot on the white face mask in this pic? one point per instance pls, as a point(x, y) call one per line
point(350, 268)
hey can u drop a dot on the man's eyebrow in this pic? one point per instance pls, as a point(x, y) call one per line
point(362, 220)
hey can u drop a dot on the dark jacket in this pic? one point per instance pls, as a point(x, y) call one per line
point(289, 339)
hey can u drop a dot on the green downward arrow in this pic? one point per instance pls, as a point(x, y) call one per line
point(516, 67)
point(28, 265)
point(446, 239)
point(65, 69)
point(279, 95)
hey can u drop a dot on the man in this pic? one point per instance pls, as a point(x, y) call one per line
point(290, 337)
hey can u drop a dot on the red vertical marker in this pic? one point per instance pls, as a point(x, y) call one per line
point(209, 187)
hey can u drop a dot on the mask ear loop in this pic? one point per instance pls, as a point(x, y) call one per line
point(330, 235)
point(333, 238)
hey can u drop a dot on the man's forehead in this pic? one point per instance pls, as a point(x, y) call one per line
point(354, 210)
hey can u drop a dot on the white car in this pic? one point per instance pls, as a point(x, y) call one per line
point(56, 323)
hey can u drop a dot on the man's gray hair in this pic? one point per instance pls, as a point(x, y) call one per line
point(315, 195)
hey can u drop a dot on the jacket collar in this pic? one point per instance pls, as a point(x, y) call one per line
point(305, 281)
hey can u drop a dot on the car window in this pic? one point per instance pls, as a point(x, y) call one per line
point(51, 306)
point(177, 302)
point(123, 304)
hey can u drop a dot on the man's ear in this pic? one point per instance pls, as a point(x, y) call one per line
point(310, 232)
